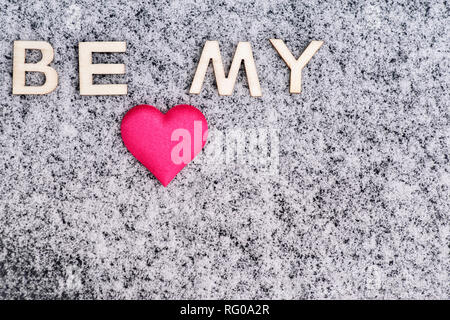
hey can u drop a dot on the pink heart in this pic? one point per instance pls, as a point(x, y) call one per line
point(164, 143)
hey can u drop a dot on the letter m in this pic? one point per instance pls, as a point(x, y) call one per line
point(225, 85)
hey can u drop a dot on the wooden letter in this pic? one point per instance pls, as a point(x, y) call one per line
point(20, 68)
point(87, 69)
point(296, 65)
point(225, 85)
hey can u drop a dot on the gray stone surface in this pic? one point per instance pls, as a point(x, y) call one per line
point(357, 207)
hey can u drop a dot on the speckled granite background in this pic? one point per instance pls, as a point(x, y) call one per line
point(359, 207)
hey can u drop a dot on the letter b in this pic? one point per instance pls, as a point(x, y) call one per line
point(20, 68)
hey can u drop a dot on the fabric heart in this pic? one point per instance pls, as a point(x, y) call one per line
point(164, 143)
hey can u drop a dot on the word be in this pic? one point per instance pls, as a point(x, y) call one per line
point(211, 52)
